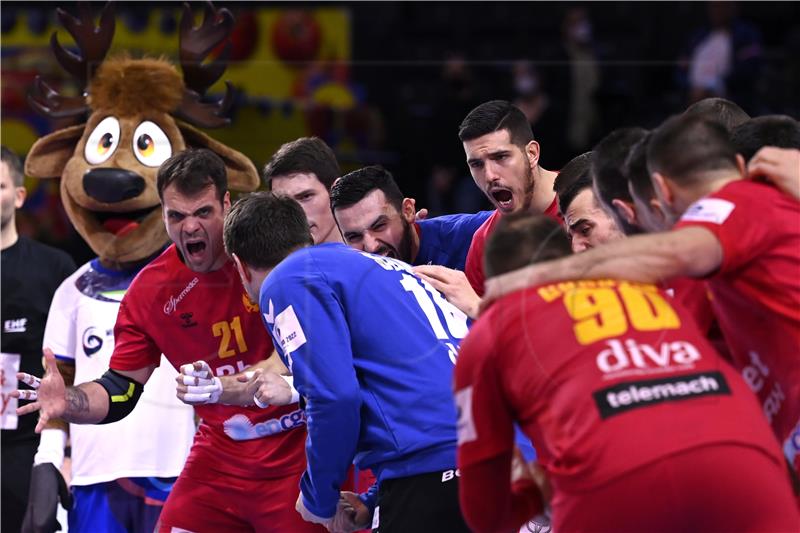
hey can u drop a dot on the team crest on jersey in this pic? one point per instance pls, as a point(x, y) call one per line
point(249, 304)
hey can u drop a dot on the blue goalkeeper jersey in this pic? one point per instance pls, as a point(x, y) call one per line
point(372, 349)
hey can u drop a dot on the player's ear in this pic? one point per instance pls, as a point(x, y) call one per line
point(241, 268)
point(658, 212)
point(532, 151)
point(409, 209)
point(663, 190)
point(741, 164)
point(625, 210)
point(20, 194)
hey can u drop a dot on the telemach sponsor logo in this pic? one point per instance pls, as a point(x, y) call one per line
point(626, 396)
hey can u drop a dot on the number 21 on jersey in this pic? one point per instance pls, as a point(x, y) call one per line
point(228, 331)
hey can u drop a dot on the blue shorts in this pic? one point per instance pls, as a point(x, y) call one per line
point(524, 444)
point(128, 505)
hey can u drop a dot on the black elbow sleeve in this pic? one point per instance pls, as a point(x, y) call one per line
point(123, 393)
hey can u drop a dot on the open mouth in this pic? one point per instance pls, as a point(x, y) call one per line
point(195, 249)
point(503, 198)
point(122, 223)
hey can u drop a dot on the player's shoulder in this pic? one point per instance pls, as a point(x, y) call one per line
point(488, 224)
point(457, 221)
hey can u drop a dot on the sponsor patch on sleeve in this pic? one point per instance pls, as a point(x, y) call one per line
point(288, 330)
point(465, 425)
point(713, 210)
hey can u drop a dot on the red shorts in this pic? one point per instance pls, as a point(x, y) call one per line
point(719, 488)
point(202, 501)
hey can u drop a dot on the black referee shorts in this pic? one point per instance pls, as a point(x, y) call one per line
point(419, 504)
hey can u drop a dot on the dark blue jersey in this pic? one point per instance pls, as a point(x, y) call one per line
point(445, 240)
point(372, 349)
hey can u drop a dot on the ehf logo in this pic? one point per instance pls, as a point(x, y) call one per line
point(92, 340)
point(17, 325)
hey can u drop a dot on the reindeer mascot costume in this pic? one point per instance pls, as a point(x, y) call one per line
point(139, 114)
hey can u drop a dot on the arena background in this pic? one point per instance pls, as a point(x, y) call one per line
point(389, 82)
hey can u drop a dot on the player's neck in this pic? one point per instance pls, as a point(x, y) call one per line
point(710, 183)
point(543, 193)
point(8, 235)
point(414, 242)
point(334, 236)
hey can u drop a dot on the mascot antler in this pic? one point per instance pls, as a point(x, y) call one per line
point(109, 165)
point(196, 42)
point(93, 43)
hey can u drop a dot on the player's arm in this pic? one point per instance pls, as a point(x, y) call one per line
point(496, 490)
point(107, 399)
point(311, 328)
point(490, 502)
point(689, 251)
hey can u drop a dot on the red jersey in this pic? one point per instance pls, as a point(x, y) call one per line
point(756, 290)
point(622, 378)
point(189, 316)
point(474, 266)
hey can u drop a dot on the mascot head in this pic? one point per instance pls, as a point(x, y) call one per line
point(140, 112)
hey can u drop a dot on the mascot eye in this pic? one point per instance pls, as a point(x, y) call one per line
point(102, 142)
point(150, 144)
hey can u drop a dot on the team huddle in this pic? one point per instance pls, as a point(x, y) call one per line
point(615, 347)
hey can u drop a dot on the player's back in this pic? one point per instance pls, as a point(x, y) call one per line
point(607, 376)
point(404, 338)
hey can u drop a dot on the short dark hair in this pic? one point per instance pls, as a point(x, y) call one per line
point(262, 229)
point(494, 116)
point(353, 187)
point(192, 171)
point(522, 239)
point(635, 169)
point(10, 158)
point(770, 130)
point(573, 179)
point(304, 155)
point(727, 113)
point(686, 145)
point(610, 182)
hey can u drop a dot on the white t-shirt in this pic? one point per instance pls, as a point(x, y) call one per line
point(155, 438)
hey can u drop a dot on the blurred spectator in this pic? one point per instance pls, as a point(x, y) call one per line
point(725, 57)
point(573, 79)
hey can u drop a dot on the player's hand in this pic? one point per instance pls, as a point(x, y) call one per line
point(266, 388)
point(48, 394)
point(780, 166)
point(422, 214)
point(197, 385)
point(351, 514)
point(308, 516)
point(453, 284)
